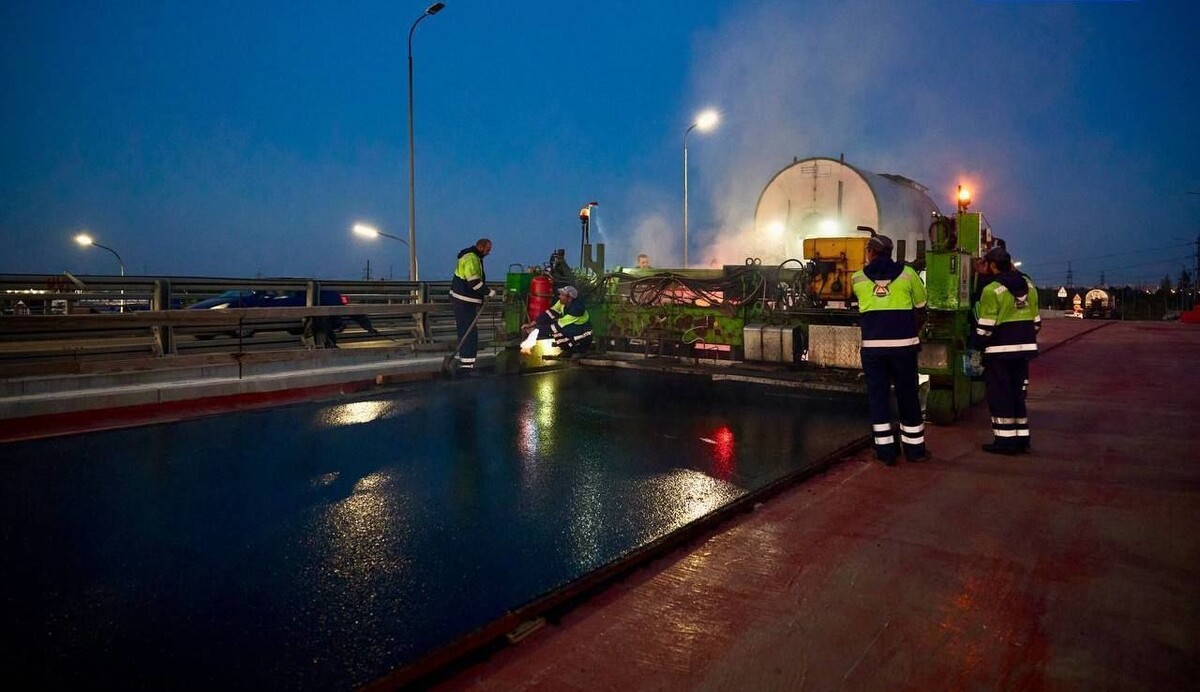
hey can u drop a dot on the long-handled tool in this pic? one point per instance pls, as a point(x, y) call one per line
point(447, 364)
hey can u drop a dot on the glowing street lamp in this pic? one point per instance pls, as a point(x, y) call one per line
point(371, 232)
point(703, 122)
point(366, 231)
point(86, 240)
point(412, 155)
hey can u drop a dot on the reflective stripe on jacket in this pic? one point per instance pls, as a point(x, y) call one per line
point(1006, 325)
point(468, 282)
point(887, 304)
point(575, 313)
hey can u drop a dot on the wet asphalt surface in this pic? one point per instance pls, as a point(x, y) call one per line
point(319, 546)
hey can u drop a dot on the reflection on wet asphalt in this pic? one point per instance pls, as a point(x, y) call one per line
point(321, 545)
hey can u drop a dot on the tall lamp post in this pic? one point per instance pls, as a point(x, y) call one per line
point(1196, 262)
point(367, 231)
point(86, 240)
point(412, 166)
point(703, 122)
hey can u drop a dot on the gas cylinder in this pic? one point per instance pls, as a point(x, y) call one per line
point(541, 291)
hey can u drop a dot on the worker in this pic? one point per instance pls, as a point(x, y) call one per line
point(467, 292)
point(890, 297)
point(643, 261)
point(1006, 328)
point(566, 322)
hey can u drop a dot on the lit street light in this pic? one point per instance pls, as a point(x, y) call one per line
point(371, 232)
point(412, 183)
point(86, 240)
point(704, 122)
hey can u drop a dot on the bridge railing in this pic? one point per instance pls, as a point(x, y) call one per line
point(74, 318)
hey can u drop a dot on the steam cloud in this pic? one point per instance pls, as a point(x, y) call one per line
point(879, 82)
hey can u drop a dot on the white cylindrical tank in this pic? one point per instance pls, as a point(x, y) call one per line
point(823, 197)
point(1096, 295)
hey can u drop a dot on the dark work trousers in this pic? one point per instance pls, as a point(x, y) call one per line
point(1006, 380)
point(883, 371)
point(464, 315)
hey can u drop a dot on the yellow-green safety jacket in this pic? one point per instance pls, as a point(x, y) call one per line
point(888, 294)
point(468, 282)
point(1006, 317)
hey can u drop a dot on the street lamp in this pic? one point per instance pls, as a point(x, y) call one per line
point(367, 231)
point(412, 183)
point(704, 122)
point(86, 240)
point(371, 232)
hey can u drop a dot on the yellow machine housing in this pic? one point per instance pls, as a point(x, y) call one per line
point(836, 260)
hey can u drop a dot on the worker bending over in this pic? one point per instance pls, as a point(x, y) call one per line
point(566, 322)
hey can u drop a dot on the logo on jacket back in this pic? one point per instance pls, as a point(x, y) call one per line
point(1022, 302)
point(881, 289)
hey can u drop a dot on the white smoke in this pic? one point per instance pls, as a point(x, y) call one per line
point(884, 84)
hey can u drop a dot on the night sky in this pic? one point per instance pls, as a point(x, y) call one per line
point(240, 138)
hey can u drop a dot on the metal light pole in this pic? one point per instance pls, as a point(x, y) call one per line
point(1196, 262)
point(367, 231)
point(705, 121)
point(412, 183)
point(85, 240)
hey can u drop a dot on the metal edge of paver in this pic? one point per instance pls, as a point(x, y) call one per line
point(474, 646)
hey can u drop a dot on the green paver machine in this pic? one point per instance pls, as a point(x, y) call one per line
point(789, 321)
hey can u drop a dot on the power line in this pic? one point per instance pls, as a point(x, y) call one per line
point(1111, 254)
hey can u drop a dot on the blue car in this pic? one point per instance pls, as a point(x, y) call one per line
point(247, 298)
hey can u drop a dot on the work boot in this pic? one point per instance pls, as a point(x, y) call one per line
point(922, 457)
point(997, 448)
point(886, 460)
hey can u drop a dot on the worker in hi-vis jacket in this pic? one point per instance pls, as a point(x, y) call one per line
point(467, 291)
point(567, 322)
point(1006, 328)
point(890, 297)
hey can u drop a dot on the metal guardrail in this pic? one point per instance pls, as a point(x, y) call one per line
point(85, 318)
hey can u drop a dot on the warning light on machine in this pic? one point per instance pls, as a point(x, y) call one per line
point(964, 198)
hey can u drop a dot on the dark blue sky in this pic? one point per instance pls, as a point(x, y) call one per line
point(233, 138)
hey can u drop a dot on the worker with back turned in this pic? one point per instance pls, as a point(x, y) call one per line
point(1006, 328)
point(890, 294)
point(467, 292)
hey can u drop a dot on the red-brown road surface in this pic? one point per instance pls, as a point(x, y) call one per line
point(1077, 567)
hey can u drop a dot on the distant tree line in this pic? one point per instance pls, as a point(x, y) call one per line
point(1132, 303)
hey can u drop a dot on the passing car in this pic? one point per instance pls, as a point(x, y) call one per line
point(248, 298)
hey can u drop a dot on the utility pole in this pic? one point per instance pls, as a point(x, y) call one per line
point(1070, 277)
point(1196, 261)
point(1196, 273)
